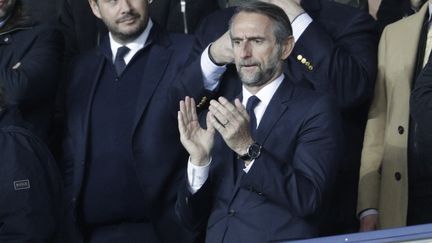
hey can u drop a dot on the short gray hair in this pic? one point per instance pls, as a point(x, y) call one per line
point(281, 24)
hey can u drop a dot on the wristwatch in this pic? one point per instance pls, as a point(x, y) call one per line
point(253, 152)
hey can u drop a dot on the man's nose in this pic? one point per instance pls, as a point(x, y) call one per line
point(246, 50)
point(125, 6)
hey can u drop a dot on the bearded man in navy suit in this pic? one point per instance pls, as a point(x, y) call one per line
point(122, 156)
point(263, 165)
point(335, 53)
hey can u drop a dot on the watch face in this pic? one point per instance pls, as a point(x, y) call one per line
point(254, 151)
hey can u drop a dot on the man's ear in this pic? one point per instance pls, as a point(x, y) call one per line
point(287, 47)
point(95, 8)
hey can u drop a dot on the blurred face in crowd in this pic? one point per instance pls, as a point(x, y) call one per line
point(258, 57)
point(6, 7)
point(125, 19)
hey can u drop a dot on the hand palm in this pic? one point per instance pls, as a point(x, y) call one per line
point(196, 140)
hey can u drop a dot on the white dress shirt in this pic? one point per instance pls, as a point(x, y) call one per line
point(197, 175)
point(134, 45)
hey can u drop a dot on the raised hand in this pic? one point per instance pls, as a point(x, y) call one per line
point(196, 140)
point(232, 122)
point(291, 8)
point(221, 50)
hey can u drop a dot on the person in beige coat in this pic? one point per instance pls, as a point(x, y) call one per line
point(383, 181)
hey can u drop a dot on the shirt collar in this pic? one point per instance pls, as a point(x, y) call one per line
point(134, 45)
point(266, 93)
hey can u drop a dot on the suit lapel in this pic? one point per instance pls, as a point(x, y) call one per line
point(276, 108)
point(410, 37)
point(153, 72)
point(103, 54)
point(101, 62)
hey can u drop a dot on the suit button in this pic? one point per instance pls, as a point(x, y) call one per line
point(401, 129)
point(299, 57)
point(187, 201)
point(398, 176)
point(231, 212)
point(6, 39)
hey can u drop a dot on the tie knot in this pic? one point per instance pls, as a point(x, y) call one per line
point(122, 51)
point(252, 103)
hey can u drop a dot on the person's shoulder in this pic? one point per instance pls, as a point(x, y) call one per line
point(307, 97)
point(343, 13)
point(19, 135)
point(412, 21)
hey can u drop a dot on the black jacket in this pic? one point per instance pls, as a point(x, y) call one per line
point(29, 67)
point(29, 185)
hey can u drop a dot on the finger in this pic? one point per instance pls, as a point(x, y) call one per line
point(193, 110)
point(227, 105)
point(218, 112)
point(182, 107)
point(210, 127)
point(188, 110)
point(184, 104)
point(181, 124)
point(241, 109)
point(216, 124)
point(234, 113)
point(224, 110)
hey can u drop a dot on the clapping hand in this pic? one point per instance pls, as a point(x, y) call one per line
point(196, 140)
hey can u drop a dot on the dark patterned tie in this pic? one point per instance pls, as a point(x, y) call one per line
point(250, 106)
point(119, 61)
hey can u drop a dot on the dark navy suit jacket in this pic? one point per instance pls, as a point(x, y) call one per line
point(336, 54)
point(159, 155)
point(280, 197)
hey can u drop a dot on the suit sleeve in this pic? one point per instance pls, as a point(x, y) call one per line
point(340, 62)
point(300, 183)
point(35, 74)
point(29, 183)
point(373, 144)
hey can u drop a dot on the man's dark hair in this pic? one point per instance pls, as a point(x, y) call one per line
point(281, 24)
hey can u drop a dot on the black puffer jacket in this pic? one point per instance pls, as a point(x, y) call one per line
point(30, 185)
point(30, 62)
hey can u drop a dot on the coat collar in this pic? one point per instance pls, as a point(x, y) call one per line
point(20, 19)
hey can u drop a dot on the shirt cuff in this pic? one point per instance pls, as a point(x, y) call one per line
point(367, 212)
point(211, 72)
point(299, 25)
point(197, 175)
